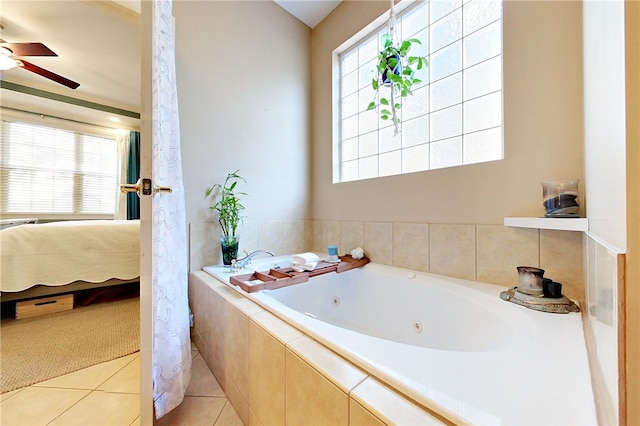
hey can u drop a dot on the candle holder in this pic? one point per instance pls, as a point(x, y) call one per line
point(560, 198)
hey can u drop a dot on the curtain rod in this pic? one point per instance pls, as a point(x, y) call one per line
point(84, 123)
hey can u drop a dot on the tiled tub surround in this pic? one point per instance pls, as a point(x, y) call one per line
point(273, 374)
point(480, 357)
point(487, 253)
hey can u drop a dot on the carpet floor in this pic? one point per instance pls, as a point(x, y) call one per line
point(36, 349)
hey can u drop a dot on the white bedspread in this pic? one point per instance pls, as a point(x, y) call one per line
point(63, 252)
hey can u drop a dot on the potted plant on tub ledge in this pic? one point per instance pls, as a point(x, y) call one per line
point(229, 210)
point(396, 71)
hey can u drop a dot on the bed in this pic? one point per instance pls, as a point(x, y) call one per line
point(59, 257)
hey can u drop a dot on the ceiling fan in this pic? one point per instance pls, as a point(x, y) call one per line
point(11, 57)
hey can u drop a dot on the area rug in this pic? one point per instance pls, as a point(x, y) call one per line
point(36, 349)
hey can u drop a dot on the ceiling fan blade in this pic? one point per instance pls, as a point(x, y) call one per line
point(29, 49)
point(48, 74)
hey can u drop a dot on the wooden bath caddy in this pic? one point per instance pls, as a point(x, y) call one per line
point(283, 277)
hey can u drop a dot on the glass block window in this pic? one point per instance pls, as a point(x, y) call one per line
point(47, 170)
point(455, 115)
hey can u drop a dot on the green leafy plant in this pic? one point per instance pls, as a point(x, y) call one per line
point(228, 207)
point(396, 70)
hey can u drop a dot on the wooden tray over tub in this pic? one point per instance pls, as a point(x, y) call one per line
point(277, 278)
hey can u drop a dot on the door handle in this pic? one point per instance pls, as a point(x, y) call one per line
point(144, 186)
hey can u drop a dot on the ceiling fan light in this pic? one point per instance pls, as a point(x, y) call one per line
point(6, 63)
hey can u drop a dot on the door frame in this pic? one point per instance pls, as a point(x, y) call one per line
point(146, 265)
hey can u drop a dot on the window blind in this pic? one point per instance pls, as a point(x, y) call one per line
point(56, 171)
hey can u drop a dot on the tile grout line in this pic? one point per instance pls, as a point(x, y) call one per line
point(70, 407)
point(97, 386)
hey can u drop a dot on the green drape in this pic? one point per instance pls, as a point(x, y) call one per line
point(133, 174)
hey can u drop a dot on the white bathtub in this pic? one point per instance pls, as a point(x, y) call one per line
point(449, 344)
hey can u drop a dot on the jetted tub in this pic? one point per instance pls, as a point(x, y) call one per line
point(447, 343)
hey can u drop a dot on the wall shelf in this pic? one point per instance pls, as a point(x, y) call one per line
point(562, 224)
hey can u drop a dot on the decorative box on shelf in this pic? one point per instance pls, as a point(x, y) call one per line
point(557, 223)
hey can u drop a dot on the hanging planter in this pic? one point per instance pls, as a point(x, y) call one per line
point(396, 71)
point(390, 64)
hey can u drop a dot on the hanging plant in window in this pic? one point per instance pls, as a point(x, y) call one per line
point(396, 71)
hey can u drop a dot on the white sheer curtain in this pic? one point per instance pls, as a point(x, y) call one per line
point(122, 141)
point(171, 357)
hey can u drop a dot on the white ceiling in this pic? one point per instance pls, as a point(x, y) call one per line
point(98, 46)
point(311, 12)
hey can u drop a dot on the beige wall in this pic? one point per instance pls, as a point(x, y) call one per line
point(243, 83)
point(543, 127)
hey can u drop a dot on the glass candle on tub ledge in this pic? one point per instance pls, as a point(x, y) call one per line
point(560, 198)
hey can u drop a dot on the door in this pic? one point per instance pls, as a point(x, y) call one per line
point(165, 349)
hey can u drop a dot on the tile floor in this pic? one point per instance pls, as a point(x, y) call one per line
point(109, 394)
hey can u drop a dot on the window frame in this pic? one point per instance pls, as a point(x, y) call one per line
point(373, 29)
